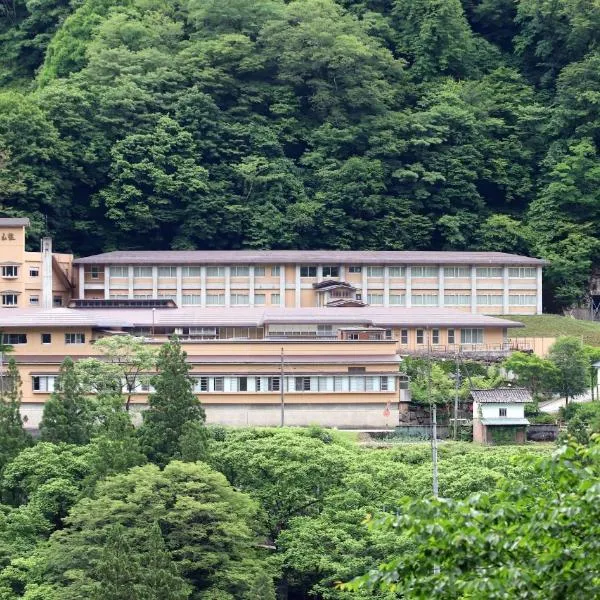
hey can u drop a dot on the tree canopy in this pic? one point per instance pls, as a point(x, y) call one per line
point(419, 124)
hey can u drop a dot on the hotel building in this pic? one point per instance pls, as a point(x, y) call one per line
point(323, 332)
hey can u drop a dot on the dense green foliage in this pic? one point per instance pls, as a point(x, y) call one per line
point(394, 124)
point(514, 542)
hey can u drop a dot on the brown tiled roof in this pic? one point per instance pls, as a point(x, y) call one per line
point(14, 222)
point(245, 317)
point(501, 395)
point(221, 257)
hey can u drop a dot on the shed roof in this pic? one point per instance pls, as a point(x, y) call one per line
point(220, 257)
point(14, 222)
point(505, 421)
point(501, 395)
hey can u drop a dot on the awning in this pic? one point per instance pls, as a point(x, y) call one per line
point(505, 421)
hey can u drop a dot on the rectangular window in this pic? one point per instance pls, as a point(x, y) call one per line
point(219, 384)
point(354, 269)
point(275, 299)
point(240, 299)
point(489, 299)
point(93, 272)
point(257, 383)
point(142, 271)
point(191, 272)
point(260, 298)
point(453, 272)
point(10, 271)
point(57, 301)
point(215, 299)
point(201, 384)
point(46, 338)
point(34, 272)
point(489, 272)
point(522, 300)
point(167, 272)
point(302, 384)
point(420, 336)
point(388, 334)
point(424, 271)
point(215, 271)
point(43, 383)
point(74, 338)
point(502, 412)
point(451, 336)
point(383, 384)
point(457, 299)
point(522, 272)
point(167, 296)
point(397, 271)
point(424, 299)
point(308, 271)
point(242, 384)
point(191, 299)
point(374, 298)
point(397, 299)
point(34, 300)
point(404, 336)
point(471, 336)
point(435, 336)
point(329, 271)
point(9, 299)
point(259, 271)
point(273, 384)
point(12, 339)
point(240, 271)
point(275, 271)
point(117, 271)
point(375, 271)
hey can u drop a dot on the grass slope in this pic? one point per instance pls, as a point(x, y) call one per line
point(554, 326)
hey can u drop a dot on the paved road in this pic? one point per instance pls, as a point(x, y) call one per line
point(552, 406)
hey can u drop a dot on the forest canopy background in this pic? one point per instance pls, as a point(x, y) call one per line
point(357, 124)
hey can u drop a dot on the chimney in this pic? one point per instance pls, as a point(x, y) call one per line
point(46, 272)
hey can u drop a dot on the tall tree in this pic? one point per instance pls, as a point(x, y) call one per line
point(66, 417)
point(171, 408)
point(13, 437)
point(568, 356)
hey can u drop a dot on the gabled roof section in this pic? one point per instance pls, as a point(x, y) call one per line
point(358, 257)
point(346, 302)
point(14, 222)
point(502, 396)
point(332, 284)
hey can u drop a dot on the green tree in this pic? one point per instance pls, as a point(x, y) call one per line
point(536, 374)
point(171, 407)
point(137, 566)
point(127, 364)
point(206, 538)
point(514, 541)
point(66, 416)
point(13, 437)
point(568, 357)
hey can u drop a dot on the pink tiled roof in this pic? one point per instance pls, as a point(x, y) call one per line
point(245, 317)
point(199, 257)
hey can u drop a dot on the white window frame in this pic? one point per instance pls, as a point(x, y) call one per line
point(10, 271)
point(275, 298)
point(397, 271)
point(424, 271)
point(331, 271)
point(119, 271)
point(34, 271)
point(14, 339)
point(522, 300)
point(215, 271)
point(191, 272)
point(167, 272)
point(397, 299)
point(46, 384)
point(489, 272)
point(10, 300)
point(260, 299)
point(238, 299)
point(375, 299)
point(240, 271)
point(375, 271)
point(471, 335)
point(275, 271)
point(522, 272)
point(191, 300)
point(457, 299)
point(308, 271)
point(145, 272)
point(77, 337)
point(355, 269)
point(259, 271)
point(457, 272)
point(215, 299)
point(424, 299)
point(489, 299)
point(34, 300)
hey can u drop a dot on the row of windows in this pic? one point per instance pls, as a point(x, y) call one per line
point(426, 271)
point(46, 338)
point(10, 300)
point(207, 384)
point(171, 272)
point(467, 336)
point(12, 271)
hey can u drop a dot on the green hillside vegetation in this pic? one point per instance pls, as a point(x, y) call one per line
point(556, 326)
point(356, 124)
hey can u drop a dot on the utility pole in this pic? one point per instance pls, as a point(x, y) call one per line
point(456, 387)
point(281, 390)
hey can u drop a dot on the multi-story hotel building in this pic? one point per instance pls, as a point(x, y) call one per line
point(321, 332)
point(476, 282)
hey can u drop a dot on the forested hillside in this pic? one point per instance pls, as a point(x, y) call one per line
point(373, 124)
